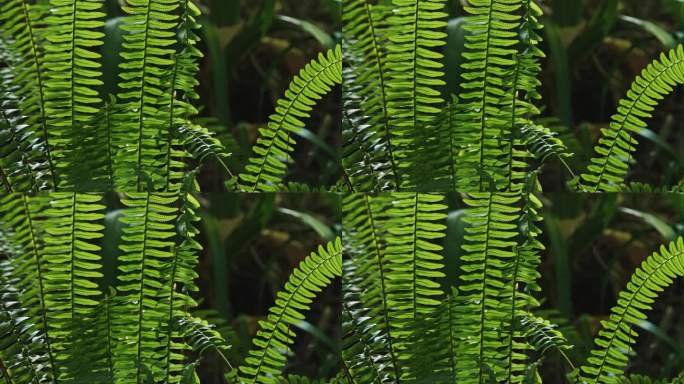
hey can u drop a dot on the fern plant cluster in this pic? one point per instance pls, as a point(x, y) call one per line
point(406, 320)
point(63, 319)
point(402, 129)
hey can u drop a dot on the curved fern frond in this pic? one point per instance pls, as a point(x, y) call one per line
point(266, 360)
point(542, 335)
point(608, 169)
point(20, 22)
point(609, 359)
point(201, 144)
point(72, 75)
point(268, 164)
point(147, 57)
point(201, 335)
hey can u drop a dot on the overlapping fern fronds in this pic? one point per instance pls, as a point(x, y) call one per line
point(368, 157)
point(54, 312)
point(266, 360)
point(489, 62)
point(608, 360)
point(368, 347)
point(483, 303)
point(271, 154)
point(147, 57)
point(72, 74)
point(614, 151)
point(414, 74)
point(20, 22)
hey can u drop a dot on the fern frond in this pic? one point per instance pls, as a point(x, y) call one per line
point(369, 352)
point(71, 225)
point(609, 359)
point(20, 26)
point(201, 335)
point(268, 164)
point(414, 222)
point(21, 150)
point(201, 144)
point(608, 169)
point(179, 92)
point(72, 76)
point(178, 279)
point(20, 220)
point(489, 65)
point(23, 357)
point(266, 360)
point(147, 57)
point(148, 251)
point(368, 146)
point(482, 311)
point(415, 73)
point(542, 335)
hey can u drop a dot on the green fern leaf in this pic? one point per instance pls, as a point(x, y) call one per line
point(368, 145)
point(369, 349)
point(148, 251)
point(266, 168)
point(608, 360)
point(608, 169)
point(71, 77)
point(20, 25)
point(147, 58)
point(267, 360)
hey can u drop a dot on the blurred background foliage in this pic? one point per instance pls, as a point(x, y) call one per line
point(252, 50)
point(594, 50)
point(594, 242)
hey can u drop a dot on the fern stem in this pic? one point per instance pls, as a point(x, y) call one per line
point(141, 124)
point(39, 79)
point(110, 361)
point(511, 329)
point(452, 350)
point(169, 335)
point(483, 109)
point(41, 288)
point(383, 290)
point(514, 103)
point(414, 254)
point(5, 373)
point(5, 180)
point(483, 304)
point(142, 289)
point(452, 155)
point(347, 372)
point(110, 155)
point(169, 136)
